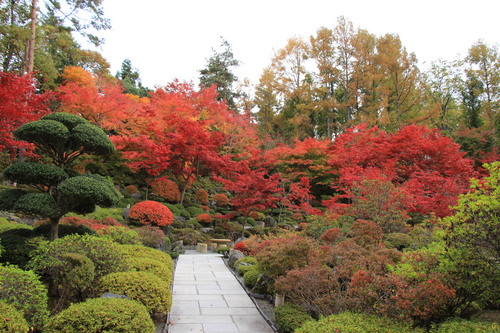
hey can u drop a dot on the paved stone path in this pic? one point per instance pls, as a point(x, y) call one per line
point(207, 298)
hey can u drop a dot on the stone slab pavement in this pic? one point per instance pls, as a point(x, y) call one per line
point(207, 298)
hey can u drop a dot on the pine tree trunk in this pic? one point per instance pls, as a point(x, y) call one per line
point(30, 58)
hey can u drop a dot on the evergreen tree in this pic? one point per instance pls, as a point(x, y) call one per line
point(131, 81)
point(219, 73)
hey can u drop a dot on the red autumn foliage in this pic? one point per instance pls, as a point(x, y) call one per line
point(202, 196)
point(330, 236)
point(19, 104)
point(242, 246)
point(151, 213)
point(167, 189)
point(204, 218)
point(131, 189)
point(220, 199)
point(424, 163)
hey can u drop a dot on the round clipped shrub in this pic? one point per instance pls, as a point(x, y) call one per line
point(467, 326)
point(220, 199)
point(151, 213)
point(289, 317)
point(151, 236)
point(24, 291)
point(348, 322)
point(102, 315)
point(139, 251)
point(146, 288)
point(35, 173)
point(204, 218)
point(105, 254)
point(17, 244)
point(242, 269)
point(398, 240)
point(131, 189)
point(120, 235)
point(167, 189)
point(150, 265)
point(195, 211)
point(251, 277)
point(246, 260)
point(11, 319)
point(202, 196)
point(8, 198)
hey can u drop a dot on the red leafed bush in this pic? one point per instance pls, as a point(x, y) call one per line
point(316, 288)
point(202, 196)
point(366, 233)
point(204, 218)
point(220, 199)
point(302, 226)
point(278, 256)
point(75, 220)
point(330, 236)
point(151, 213)
point(166, 189)
point(242, 246)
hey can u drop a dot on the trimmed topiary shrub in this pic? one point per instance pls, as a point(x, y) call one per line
point(140, 251)
point(11, 319)
point(348, 322)
point(102, 315)
point(204, 218)
point(150, 265)
point(17, 245)
point(220, 199)
point(7, 225)
point(251, 277)
point(120, 235)
point(242, 269)
point(289, 317)
point(455, 325)
point(151, 213)
point(105, 254)
point(24, 291)
point(166, 189)
point(146, 288)
point(202, 196)
point(246, 260)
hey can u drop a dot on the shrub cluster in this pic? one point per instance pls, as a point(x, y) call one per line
point(102, 315)
point(11, 319)
point(289, 317)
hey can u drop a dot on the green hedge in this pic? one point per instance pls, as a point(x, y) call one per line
point(140, 251)
point(251, 278)
point(146, 288)
point(102, 315)
point(246, 260)
point(154, 266)
point(289, 317)
point(467, 326)
point(242, 269)
point(348, 322)
point(11, 319)
point(121, 235)
point(24, 291)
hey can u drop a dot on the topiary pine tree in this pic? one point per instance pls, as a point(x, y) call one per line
point(60, 138)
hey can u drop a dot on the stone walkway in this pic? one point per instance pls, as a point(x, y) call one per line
point(208, 298)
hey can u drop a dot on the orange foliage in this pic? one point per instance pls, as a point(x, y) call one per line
point(220, 199)
point(166, 189)
point(204, 218)
point(151, 213)
point(202, 197)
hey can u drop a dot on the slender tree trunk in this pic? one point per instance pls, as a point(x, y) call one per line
point(54, 228)
point(31, 43)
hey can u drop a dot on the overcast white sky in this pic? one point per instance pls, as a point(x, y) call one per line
point(167, 39)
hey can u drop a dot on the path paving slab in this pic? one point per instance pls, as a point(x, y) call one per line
point(207, 298)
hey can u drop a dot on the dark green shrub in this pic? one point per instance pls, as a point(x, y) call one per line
point(348, 322)
point(456, 325)
point(398, 240)
point(17, 245)
point(105, 254)
point(174, 255)
point(102, 315)
point(101, 213)
point(242, 269)
point(8, 198)
point(195, 211)
point(251, 277)
point(150, 265)
point(120, 235)
point(11, 319)
point(246, 260)
point(146, 288)
point(289, 317)
point(35, 173)
point(36, 204)
point(64, 230)
point(174, 209)
point(140, 251)
point(24, 291)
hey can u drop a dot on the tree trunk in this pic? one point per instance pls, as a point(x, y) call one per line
point(30, 58)
point(54, 228)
